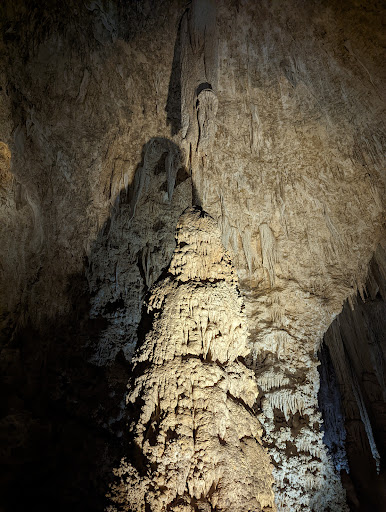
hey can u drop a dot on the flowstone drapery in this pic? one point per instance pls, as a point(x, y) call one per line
point(195, 438)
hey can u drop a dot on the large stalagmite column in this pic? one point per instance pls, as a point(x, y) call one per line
point(195, 439)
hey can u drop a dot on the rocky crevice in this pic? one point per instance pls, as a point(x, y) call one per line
point(354, 353)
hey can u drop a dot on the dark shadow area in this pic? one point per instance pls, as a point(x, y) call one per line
point(56, 453)
point(63, 381)
point(205, 86)
point(352, 394)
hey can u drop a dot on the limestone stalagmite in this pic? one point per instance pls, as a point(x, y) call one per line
point(196, 443)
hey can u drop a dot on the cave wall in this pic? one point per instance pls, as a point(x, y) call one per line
point(115, 116)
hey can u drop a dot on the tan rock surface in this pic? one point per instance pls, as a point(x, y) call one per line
point(115, 114)
point(196, 441)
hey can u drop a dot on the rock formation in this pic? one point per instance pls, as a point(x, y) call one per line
point(196, 441)
point(116, 116)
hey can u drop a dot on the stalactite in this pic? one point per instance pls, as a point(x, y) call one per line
point(288, 378)
point(207, 105)
point(199, 101)
point(366, 421)
point(349, 381)
point(268, 248)
point(272, 379)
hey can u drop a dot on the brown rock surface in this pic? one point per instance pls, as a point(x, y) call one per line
point(116, 114)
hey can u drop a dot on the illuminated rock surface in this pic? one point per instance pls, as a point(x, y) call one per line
point(114, 118)
point(196, 440)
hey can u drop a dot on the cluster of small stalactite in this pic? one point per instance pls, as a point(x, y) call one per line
point(305, 477)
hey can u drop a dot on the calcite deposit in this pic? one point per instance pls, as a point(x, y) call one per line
point(116, 116)
point(196, 442)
